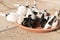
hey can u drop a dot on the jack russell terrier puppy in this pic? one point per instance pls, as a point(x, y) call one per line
point(43, 17)
point(14, 16)
point(21, 17)
point(53, 21)
point(29, 21)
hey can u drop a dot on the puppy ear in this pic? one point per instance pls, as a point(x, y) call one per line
point(42, 15)
point(48, 18)
point(25, 18)
point(52, 20)
point(27, 4)
point(48, 14)
point(45, 10)
point(59, 14)
point(35, 13)
point(17, 5)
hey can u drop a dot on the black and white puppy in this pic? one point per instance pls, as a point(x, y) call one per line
point(31, 16)
point(29, 21)
point(41, 12)
point(43, 17)
point(43, 20)
point(34, 8)
point(53, 21)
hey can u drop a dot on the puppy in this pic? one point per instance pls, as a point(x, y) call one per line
point(52, 22)
point(30, 19)
point(29, 22)
point(17, 16)
point(43, 20)
point(43, 17)
point(12, 17)
point(24, 12)
point(21, 9)
point(41, 12)
point(34, 8)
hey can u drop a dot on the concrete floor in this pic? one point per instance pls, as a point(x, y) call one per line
point(17, 33)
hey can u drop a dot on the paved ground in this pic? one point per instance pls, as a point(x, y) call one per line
point(17, 33)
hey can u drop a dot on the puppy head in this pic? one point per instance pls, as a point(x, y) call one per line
point(57, 14)
point(21, 10)
point(55, 23)
point(29, 22)
point(31, 14)
point(41, 12)
point(35, 10)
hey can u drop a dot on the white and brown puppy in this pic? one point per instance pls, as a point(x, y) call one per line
point(43, 17)
point(52, 22)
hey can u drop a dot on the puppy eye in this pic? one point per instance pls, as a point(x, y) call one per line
point(59, 14)
point(29, 15)
point(40, 13)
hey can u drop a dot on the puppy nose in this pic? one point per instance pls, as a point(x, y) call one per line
point(27, 6)
point(35, 13)
point(45, 10)
point(29, 16)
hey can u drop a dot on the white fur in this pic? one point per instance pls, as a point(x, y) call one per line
point(29, 12)
point(14, 16)
point(2, 14)
point(21, 10)
point(47, 25)
point(54, 24)
point(56, 13)
point(35, 7)
point(39, 15)
point(43, 12)
point(46, 17)
point(20, 19)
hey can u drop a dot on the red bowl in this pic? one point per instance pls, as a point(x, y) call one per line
point(38, 30)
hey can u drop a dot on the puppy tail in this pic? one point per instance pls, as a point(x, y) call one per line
point(4, 15)
point(17, 5)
